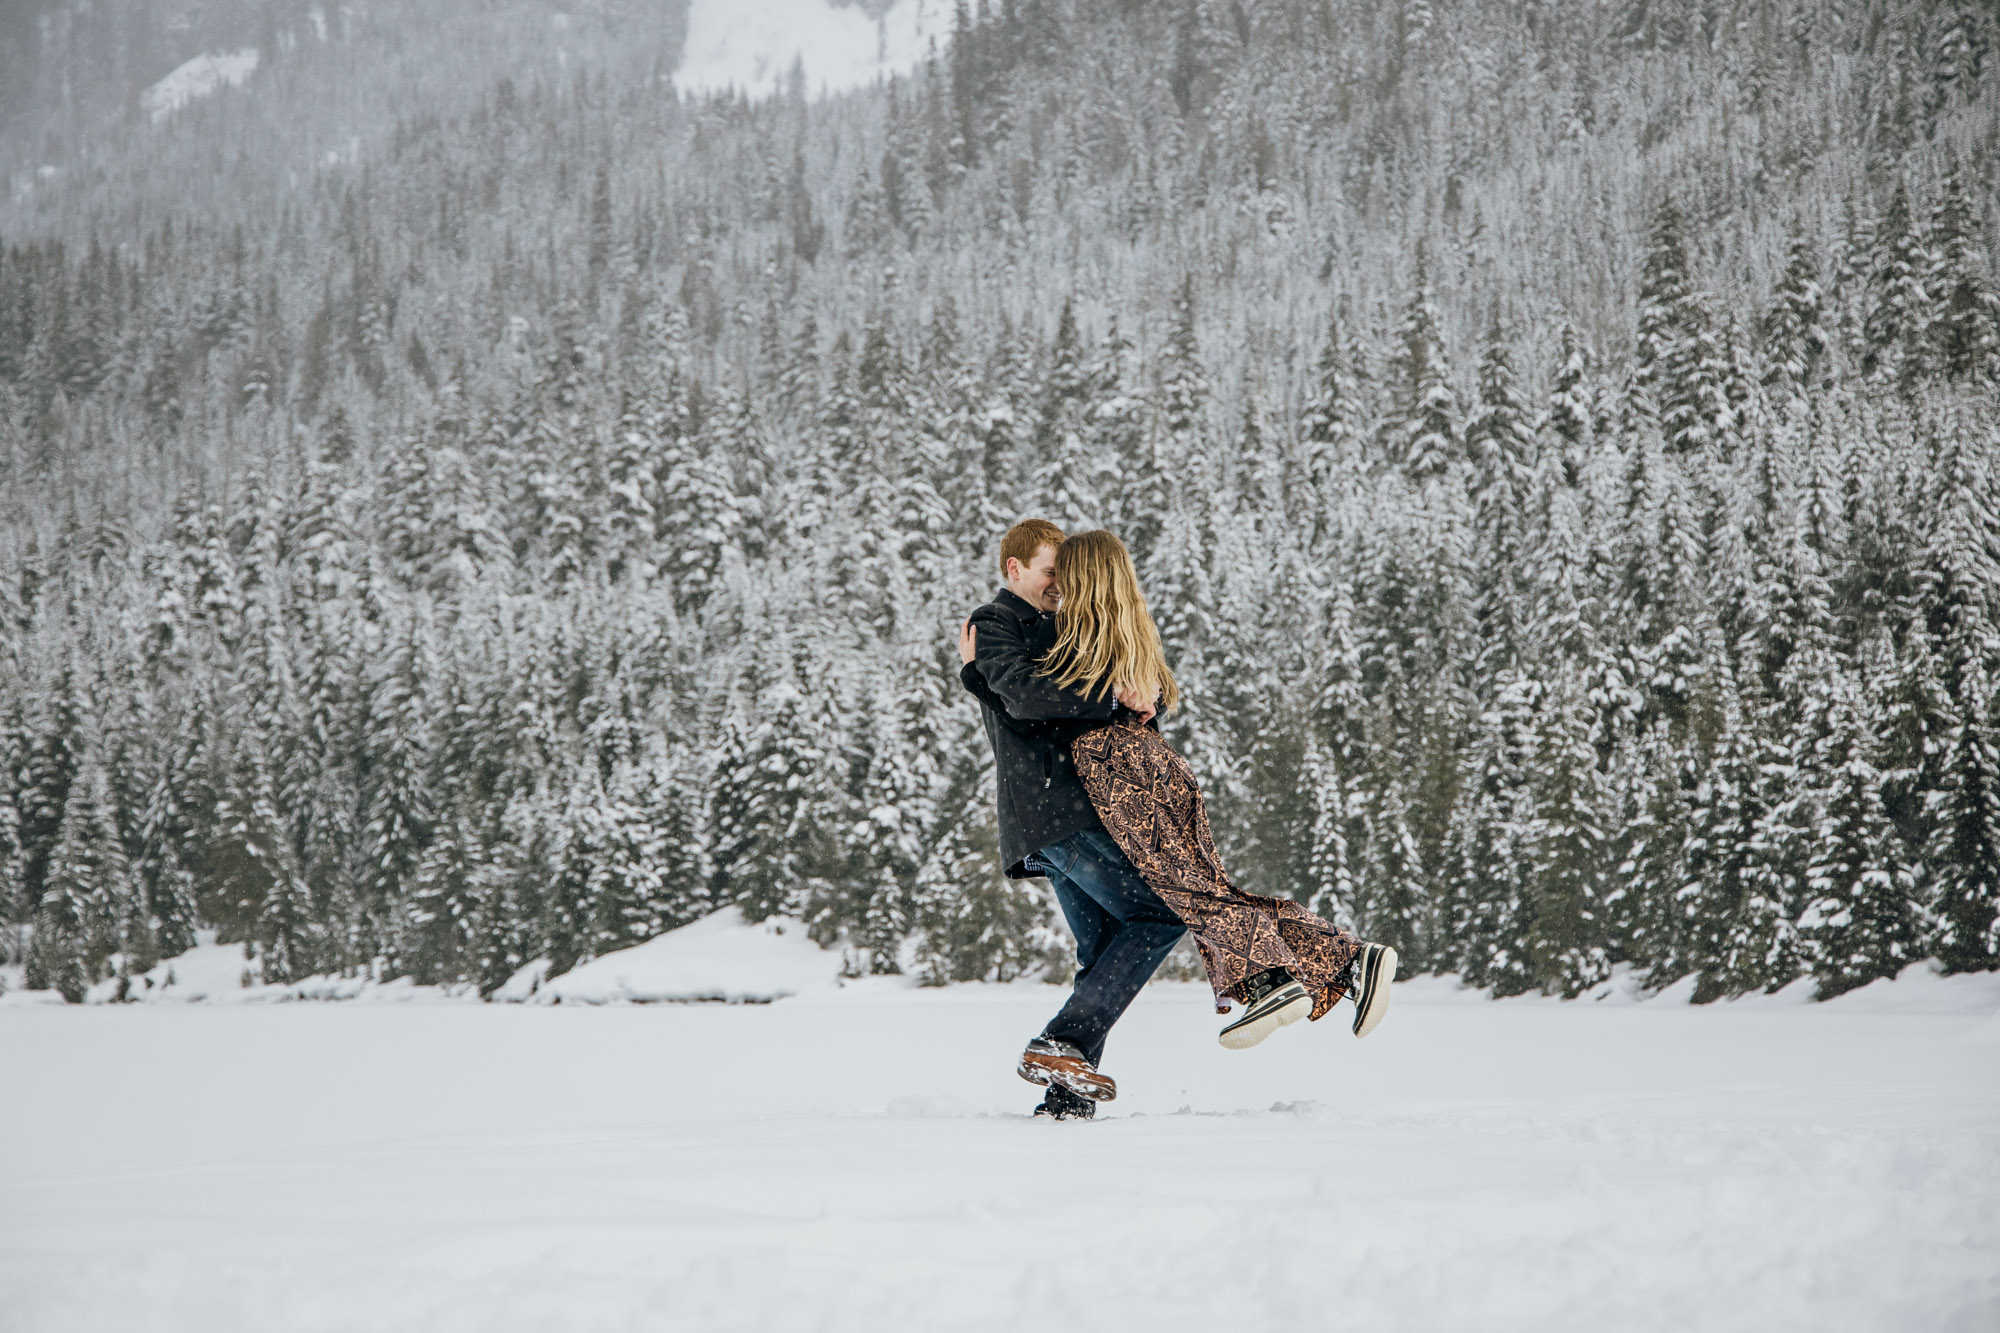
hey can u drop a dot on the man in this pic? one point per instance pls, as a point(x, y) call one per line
point(1048, 826)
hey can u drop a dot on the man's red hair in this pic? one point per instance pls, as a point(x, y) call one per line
point(1025, 538)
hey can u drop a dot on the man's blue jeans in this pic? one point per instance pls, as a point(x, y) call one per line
point(1123, 932)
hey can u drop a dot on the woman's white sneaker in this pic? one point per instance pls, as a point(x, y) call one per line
point(1373, 971)
point(1275, 1000)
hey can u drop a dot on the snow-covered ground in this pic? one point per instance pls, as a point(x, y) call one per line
point(198, 78)
point(859, 1157)
point(752, 44)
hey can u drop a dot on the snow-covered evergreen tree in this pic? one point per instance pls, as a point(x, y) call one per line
point(1736, 912)
point(1563, 845)
point(1958, 279)
point(398, 810)
point(1795, 339)
point(1857, 925)
point(777, 785)
point(1898, 303)
point(1501, 441)
point(88, 894)
point(1422, 430)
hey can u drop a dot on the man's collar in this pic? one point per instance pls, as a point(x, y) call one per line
point(1017, 603)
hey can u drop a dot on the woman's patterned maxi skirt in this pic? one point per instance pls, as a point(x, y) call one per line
point(1152, 807)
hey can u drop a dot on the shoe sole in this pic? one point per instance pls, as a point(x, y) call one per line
point(1096, 1088)
point(1250, 1029)
point(1377, 974)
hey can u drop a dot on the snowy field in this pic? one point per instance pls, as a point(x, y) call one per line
point(860, 1158)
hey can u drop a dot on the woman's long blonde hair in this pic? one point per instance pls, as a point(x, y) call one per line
point(1105, 637)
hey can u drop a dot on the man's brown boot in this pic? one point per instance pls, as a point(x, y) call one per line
point(1048, 1061)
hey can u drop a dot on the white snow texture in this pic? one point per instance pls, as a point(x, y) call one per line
point(860, 1157)
point(751, 45)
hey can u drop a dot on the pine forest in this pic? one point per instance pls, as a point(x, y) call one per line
point(465, 509)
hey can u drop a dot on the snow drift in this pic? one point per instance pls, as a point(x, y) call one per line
point(719, 959)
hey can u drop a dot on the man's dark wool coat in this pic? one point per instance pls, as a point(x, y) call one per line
point(1031, 721)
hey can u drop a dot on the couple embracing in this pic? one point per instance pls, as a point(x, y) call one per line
point(1067, 663)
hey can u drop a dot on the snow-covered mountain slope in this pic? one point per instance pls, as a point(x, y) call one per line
point(124, 87)
point(755, 45)
point(197, 78)
point(863, 1161)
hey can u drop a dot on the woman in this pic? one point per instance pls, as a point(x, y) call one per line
point(1278, 960)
